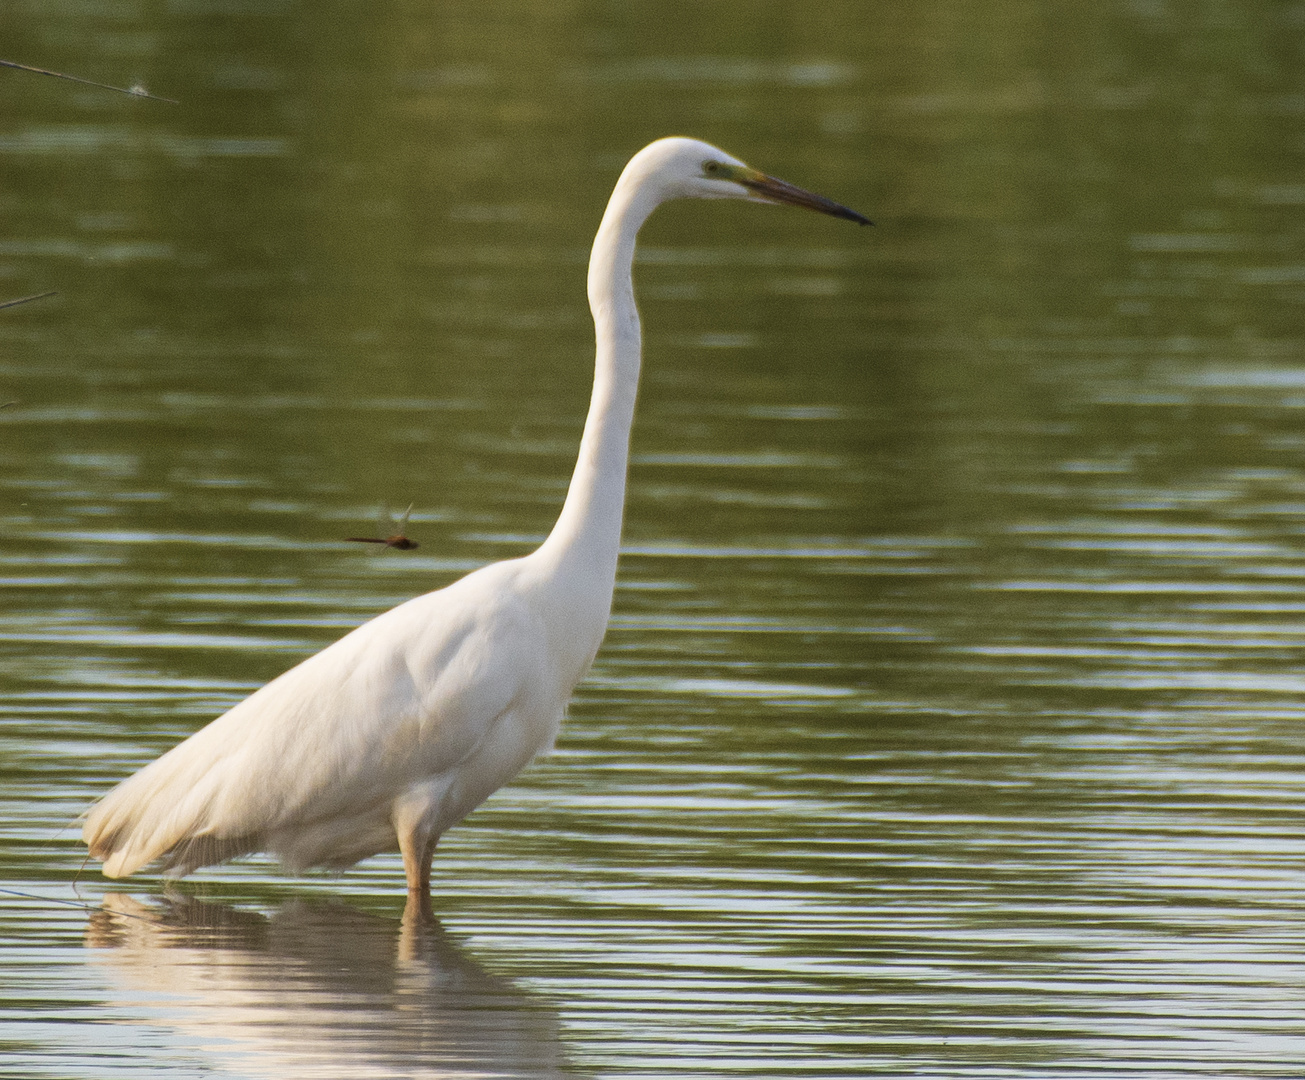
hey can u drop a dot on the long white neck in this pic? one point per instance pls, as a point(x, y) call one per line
point(582, 548)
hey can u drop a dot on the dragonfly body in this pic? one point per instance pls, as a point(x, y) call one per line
point(400, 542)
point(397, 539)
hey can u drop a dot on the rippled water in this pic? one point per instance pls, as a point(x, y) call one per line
point(950, 719)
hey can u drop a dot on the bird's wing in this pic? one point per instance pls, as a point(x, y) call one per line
point(406, 695)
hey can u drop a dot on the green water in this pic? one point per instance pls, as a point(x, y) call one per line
point(949, 723)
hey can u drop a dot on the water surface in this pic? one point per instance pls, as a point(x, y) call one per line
point(949, 721)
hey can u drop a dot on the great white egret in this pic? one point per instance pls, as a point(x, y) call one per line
point(401, 728)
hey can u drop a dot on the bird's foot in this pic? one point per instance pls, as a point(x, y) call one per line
point(418, 911)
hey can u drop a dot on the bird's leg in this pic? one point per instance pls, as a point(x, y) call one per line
point(418, 848)
point(429, 858)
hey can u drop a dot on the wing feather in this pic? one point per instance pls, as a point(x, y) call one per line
point(403, 697)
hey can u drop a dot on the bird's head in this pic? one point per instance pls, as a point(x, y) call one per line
point(687, 168)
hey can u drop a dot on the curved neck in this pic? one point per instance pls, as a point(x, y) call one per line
point(587, 535)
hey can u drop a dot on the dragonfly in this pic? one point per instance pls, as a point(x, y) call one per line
point(397, 540)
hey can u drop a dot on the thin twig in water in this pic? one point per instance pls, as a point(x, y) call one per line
point(70, 903)
point(26, 299)
point(135, 91)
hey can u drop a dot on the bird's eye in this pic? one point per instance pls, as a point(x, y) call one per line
point(711, 168)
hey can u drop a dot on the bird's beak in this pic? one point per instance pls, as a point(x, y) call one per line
point(769, 189)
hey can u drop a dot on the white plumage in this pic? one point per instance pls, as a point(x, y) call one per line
point(401, 728)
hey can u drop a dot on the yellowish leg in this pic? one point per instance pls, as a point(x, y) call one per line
point(417, 848)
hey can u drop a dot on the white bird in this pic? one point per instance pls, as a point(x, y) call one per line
point(400, 729)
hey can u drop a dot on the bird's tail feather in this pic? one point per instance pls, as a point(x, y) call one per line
point(126, 846)
point(163, 812)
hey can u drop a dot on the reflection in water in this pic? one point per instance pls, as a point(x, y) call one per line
point(321, 990)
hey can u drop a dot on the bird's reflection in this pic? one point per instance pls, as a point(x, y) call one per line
point(322, 990)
